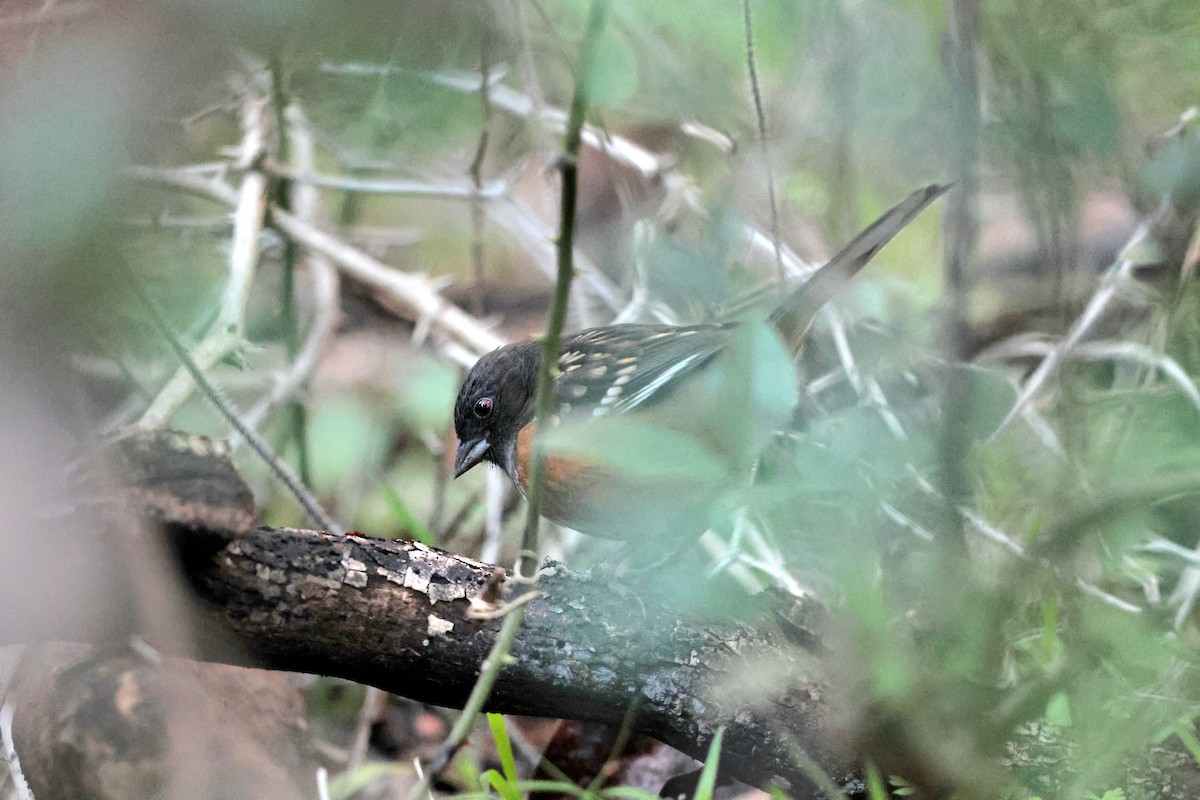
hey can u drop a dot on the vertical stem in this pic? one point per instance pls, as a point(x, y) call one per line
point(962, 230)
point(761, 119)
point(569, 165)
point(544, 403)
point(297, 418)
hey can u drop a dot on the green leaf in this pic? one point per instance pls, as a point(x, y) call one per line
point(344, 442)
point(1058, 710)
point(503, 747)
point(876, 789)
point(628, 793)
point(347, 784)
point(1188, 737)
point(407, 519)
point(636, 449)
point(614, 75)
point(1090, 117)
point(425, 395)
point(708, 777)
point(505, 788)
point(753, 385)
point(987, 399)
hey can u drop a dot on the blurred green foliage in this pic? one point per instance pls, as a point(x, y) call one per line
point(1061, 614)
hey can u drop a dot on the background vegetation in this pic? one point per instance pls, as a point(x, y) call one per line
point(993, 478)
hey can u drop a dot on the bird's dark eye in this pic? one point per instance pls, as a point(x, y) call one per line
point(483, 407)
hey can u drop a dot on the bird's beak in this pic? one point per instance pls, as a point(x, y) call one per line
point(469, 454)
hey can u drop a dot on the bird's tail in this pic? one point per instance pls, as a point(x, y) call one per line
point(796, 312)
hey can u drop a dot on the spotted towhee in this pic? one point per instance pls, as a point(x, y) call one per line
point(640, 444)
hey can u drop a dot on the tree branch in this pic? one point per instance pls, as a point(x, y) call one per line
point(396, 615)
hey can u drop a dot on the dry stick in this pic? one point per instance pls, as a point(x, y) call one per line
point(282, 471)
point(283, 193)
point(761, 119)
point(414, 295)
point(325, 289)
point(615, 146)
point(442, 475)
point(622, 150)
point(1117, 279)
point(524, 226)
point(187, 180)
point(372, 706)
point(544, 402)
point(401, 188)
point(225, 333)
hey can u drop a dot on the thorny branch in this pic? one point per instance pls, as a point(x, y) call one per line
point(325, 294)
point(415, 296)
point(225, 334)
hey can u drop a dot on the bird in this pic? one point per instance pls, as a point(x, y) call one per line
point(653, 423)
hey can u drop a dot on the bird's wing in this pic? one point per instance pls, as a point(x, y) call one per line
point(617, 368)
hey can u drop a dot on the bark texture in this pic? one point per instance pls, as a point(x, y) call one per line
point(397, 615)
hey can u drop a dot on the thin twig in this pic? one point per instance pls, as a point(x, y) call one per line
point(624, 151)
point(401, 188)
point(325, 289)
point(323, 784)
point(415, 296)
point(761, 120)
point(495, 490)
point(209, 187)
point(544, 403)
point(165, 220)
point(1115, 281)
point(372, 704)
point(1006, 542)
point(283, 193)
point(282, 471)
point(225, 333)
point(619, 148)
point(474, 705)
point(537, 240)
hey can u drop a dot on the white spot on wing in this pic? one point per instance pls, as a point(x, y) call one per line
point(646, 392)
